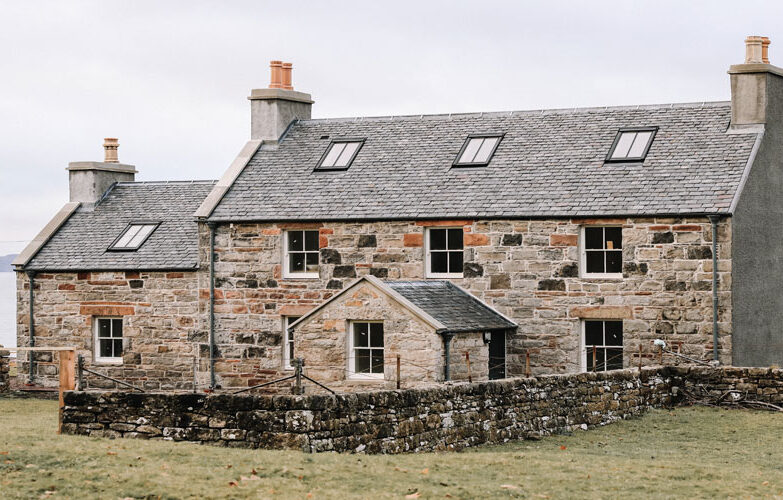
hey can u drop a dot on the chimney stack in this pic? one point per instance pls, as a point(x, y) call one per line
point(89, 180)
point(273, 109)
point(753, 84)
point(110, 145)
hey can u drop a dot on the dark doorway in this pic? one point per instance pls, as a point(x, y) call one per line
point(497, 355)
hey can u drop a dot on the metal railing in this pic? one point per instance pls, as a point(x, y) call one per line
point(80, 369)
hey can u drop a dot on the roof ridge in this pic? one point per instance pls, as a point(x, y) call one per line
point(543, 111)
point(161, 183)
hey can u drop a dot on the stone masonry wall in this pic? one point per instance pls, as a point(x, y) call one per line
point(5, 362)
point(528, 270)
point(448, 417)
point(160, 316)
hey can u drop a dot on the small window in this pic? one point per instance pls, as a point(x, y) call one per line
point(134, 236)
point(288, 342)
point(340, 154)
point(602, 252)
point(445, 252)
point(477, 150)
point(366, 356)
point(108, 340)
point(301, 254)
point(631, 144)
point(603, 341)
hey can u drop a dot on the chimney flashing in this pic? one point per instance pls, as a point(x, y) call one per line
point(282, 94)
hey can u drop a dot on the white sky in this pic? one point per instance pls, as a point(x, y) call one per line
point(170, 79)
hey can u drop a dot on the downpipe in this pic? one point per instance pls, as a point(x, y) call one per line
point(714, 222)
point(212, 382)
point(31, 300)
point(447, 336)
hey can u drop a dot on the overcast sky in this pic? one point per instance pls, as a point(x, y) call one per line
point(170, 79)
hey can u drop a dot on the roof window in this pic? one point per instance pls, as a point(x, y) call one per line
point(631, 144)
point(340, 154)
point(134, 236)
point(477, 150)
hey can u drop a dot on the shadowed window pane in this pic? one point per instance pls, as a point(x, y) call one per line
point(362, 361)
point(311, 241)
point(295, 240)
point(614, 262)
point(377, 361)
point(614, 333)
point(117, 348)
point(360, 335)
point(455, 262)
point(376, 334)
point(594, 334)
point(455, 239)
point(296, 262)
point(104, 328)
point(613, 237)
point(312, 262)
point(439, 262)
point(116, 328)
point(595, 262)
point(614, 359)
point(437, 239)
point(594, 238)
point(105, 348)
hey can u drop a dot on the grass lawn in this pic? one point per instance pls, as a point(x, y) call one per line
point(685, 453)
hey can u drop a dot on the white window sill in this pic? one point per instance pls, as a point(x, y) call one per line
point(302, 276)
point(366, 378)
point(446, 275)
point(617, 276)
point(108, 361)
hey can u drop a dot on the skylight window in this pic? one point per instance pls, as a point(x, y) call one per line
point(134, 236)
point(478, 150)
point(631, 144)
point(340, 154)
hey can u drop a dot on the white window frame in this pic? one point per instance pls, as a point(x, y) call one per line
point(288, 340)
point(583, 256)
point(583, 341)
point(115, 360)
point(352, 375)
point(286, 261)
point(428, 253)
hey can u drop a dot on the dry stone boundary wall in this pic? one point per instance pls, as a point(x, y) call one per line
point(5, 362)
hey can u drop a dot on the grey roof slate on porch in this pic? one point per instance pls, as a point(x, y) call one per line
point(549, 164)
point(82, 241)
point(456, 308)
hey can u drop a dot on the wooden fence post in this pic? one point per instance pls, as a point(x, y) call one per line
point(398, 371)
point(67, 381)
point(594, 359)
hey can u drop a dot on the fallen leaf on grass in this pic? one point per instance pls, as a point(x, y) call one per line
point(232, 484)
point(413, 495)
point(765, 483)
point(562, 447)
point(3, 453)
point(400, 470)
point(229, 466)
point(252, 477)
point(509, 486)
point(112, 453)
point(8, 462)
point(425, 471)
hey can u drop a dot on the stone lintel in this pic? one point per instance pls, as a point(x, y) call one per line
point(601, 312)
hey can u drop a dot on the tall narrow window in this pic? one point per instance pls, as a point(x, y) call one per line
point(133, 236)
point(301, 254)
point(603, 341)
point(477, 150)
point(340, 154)
point(631, 144)
point(366, 356)
point(602, 252)
point(445, 252)
point(288, 342)
point(108, 340)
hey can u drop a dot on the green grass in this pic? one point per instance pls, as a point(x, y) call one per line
point(684, 453)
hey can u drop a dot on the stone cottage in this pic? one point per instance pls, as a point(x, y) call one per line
point(586, 233)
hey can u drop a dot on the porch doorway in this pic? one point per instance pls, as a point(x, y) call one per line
point(497, 355)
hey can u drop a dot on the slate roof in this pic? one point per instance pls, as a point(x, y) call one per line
point(549, 164)
point(451, 305)
point(82, 241)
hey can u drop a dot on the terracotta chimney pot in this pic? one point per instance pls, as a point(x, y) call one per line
point(276, 68)
point(753, 49)
point(765, 49)
point(110, 145)
point(287, 67)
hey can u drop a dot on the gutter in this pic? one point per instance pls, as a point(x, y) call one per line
point(31, 299)
point(212, 227)
point(714, 222)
